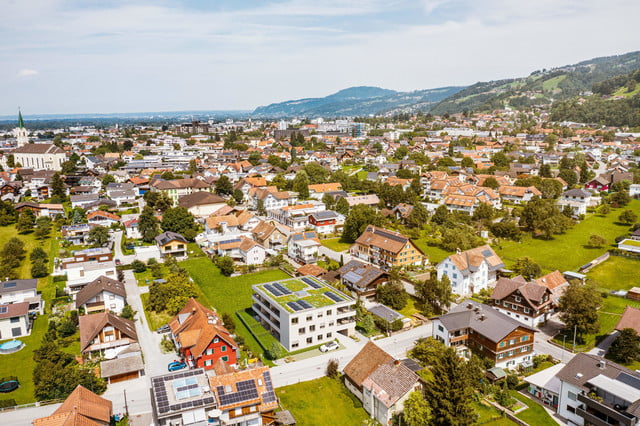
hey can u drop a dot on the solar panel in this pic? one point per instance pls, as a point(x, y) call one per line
point(10, 284)
point(486, 253)
point(630, 380)
point(391, 236)
point(235, 240)
point(294, 306)
point(268, 397)
point(331, 295)
point(271, 289)
point(282, 288)
point(304, 304)
point(311, 282)
point(246, 390)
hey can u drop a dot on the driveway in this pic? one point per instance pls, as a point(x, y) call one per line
point(334, 255)
point(117, 247)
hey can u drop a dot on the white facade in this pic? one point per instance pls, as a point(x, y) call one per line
point(304, 250)
point(254, 256)
point(568, 402)
point(112, 302)
point(15, 325)
point(465, 283)
point(80, 274)
point(307, 327)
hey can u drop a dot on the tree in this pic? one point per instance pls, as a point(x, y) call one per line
point(329, 201)
point(419, 216)
point(226, 265)
point(98, 236)
point(107, 179)
point(550, 188)
point(138, 266)
point(569, 176)
point(527, 268)
point(500, 160)
point(39, 269)
point(544, 216)
point(300, 184)
point(171, 296)
point(275, 351)
point(38, 254)
point(342, 206)
point(180, 220)
point(224, 186)
point(128, 312)
point(545, 171)
point(332, 370)
point(435, 293)
point(484, 211)
point(193, 166)
point(43, 227)
point(441, 215)
point(25, 221)
point(450, 395)
point(260, 207)
point(12, 253)
point(416, 410)
point(597, 241)
point(393, 295)
point(604, 210)
point(148, 225)
point(58, 190)
point(491, 182)
point(238, 195)
point(359, 218)
point(619, 199)
point(427, 351)
point(579, 306)
point(626, 348)
point(254, 158)
point(628, 217)
point(506, 229)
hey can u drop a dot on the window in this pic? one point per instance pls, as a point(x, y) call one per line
point(505, 304)
point(15, 320)
point(527, 310)
point(223, 348)
point(501, 344)
point(440, 328)
point(571, 409)
point(208, 362)
point(209, 351)
point(329, 312)
point(112, 306)
point(328, 335)
point(309, 318)
point(510, 353)
point(512, 341)
point(15, 332)
point(225, 358)
point(295, 345)
point(216, 340)
point(302, 330)
point(112, 297)
point(294, 320)
point(238, 412)
point(309, 339)
point(518, 298)
point(497, 302)
point(524, 338)
point(319, 336)
point(312, 328)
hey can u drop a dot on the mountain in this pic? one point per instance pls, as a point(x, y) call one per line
point(356, 101)
point(540, 87)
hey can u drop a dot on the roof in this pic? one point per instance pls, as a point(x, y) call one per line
point(92, 325)
point(18, 285)
point(123, 365)
point(325, 187)
point(196, 326)
point(81, 408)
point(13, 310)
point(97, 286)
point(168, 236)
point(471, 260)
point(374, 236)
point(311, 269)
point(179, 183)
point(103, 214)
point(237, 382)
point(391, 381)
point(365, 363)
point(546, 379)
point(483, 319)
point(385, 313)
point(531, 291)
point(38, 148)
point(199, 198)
point(630, 319)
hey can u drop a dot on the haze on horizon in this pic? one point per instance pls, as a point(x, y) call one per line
point(103, 56)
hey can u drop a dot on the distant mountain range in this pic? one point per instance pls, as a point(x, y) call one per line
point(539, 88)
point(357, 101)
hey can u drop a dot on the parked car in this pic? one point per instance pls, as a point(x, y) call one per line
point(331, 346)
point(163, 329)
point(176, 365)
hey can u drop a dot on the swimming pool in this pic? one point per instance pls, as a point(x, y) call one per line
point(11, 346)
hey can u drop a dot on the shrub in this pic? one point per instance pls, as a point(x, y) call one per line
point(332, 369)
point(39, 270)
point(138, 266)
point(512, 381)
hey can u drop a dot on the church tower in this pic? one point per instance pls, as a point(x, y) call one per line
point(20, 132)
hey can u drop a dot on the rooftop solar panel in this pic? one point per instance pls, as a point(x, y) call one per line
point(311, 282)
point(294, 306)
point(282, 288)
point(331, 295)
point(304, 304)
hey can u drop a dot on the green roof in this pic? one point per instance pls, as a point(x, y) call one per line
point(20, 120)
point(302, 291)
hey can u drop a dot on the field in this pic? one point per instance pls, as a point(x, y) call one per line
point(535, 414)
point(490, 416)
point(616, 273)
point(568, 251)
point(322, 401)
point(436, 254)
point(335, 244)
point(21, 363)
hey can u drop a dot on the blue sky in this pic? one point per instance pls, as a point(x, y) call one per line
point(83, 56)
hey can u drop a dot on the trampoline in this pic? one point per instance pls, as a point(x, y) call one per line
point(9, 386)
point(11, 346)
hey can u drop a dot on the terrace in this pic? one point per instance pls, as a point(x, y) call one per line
point(301, 293)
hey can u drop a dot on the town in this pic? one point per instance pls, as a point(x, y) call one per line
point(410, 269)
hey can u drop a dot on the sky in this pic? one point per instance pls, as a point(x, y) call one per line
point(105, 56)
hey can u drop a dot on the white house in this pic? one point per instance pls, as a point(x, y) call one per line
point(578, 200)
point(14, 320)
point(471, 271)
point(251, 252)
point(102, 294)
point(303, 246)
point(82, 273)
point(19, 291)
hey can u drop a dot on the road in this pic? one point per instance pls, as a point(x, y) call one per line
point(542, 340)
point(117, 247)
point(334, 255)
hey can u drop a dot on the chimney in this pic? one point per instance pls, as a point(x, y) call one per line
point(602, 364)
point(396, 362)
point(470, 306)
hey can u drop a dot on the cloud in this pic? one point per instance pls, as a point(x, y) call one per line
point(26, 72)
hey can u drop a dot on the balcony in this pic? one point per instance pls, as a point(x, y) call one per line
point(601, 414)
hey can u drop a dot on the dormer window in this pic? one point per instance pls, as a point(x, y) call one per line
point(518, 298)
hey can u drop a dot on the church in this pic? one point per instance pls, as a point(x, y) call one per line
point(36, 156)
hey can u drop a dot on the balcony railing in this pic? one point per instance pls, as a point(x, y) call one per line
point(603, 413)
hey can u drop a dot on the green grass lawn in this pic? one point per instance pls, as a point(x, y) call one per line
point(569, 251)
point(154, 319)
point(335, 244)
point(146, 277)
point(322, 401)
point(535, 414)
point(30, 242)
point(436, 254)
point(490, 416)
point(616, 273)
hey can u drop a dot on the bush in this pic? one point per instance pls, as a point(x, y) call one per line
point(152, 261)
point(275, 351)
point(512, 381)
point(128, 312)
point(332, 369)
point(67, 328)
point(138, 266)
point(39, 270)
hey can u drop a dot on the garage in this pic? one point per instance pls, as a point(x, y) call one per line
point(126, 367)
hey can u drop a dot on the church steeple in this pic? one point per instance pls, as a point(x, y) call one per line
point(20, 120)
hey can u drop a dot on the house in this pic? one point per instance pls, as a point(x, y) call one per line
point(369, 200)
point(578, 200)
point(303, 246)
point(324, 222)
point(77, 234)
point(382, 383)
point(82, 407)
point(387, 249)
point(19, 291)
point(604, 181)
point(518, 194)
point(531, 302)
point(39, 210)
point(95, 254)
point(131, 229)
point(244, 396)
point(84, 200)
point(183, 398)
point(251, 252)
point(303, 312)
point(270, 198)
point(630, 319)
point(102, 294)
point(103, 218)
point(105, 334)
point(127, 365)
point(82, 273)
point(269, 235)
point(317, 191)
point(362, 278)
point(40, 156)
point(201, 338)
point(472, 270)
point(171, 244)
point(474, 326)
point(177, 188)
point(596, 391)
point(201, 203)
point(545, 386)
point(14, 320)
point(296, 217)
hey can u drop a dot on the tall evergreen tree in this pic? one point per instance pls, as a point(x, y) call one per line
point(148, 225)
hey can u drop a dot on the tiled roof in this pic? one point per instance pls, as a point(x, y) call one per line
point(91, 325)
point(390, 382)
point(199, 198)
point(81, 408)
point(99, 285)
point(471, 260)
point(366, 362)
point(374, 236)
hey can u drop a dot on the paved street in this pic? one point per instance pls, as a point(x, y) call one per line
point(334, 255)
point(117, 247)
point(543, 346)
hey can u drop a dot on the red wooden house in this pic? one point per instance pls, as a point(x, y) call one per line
point(201, 337)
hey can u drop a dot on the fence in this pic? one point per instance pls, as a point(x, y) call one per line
point(32, 404)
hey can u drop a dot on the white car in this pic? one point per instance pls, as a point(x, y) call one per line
point(329, 346)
